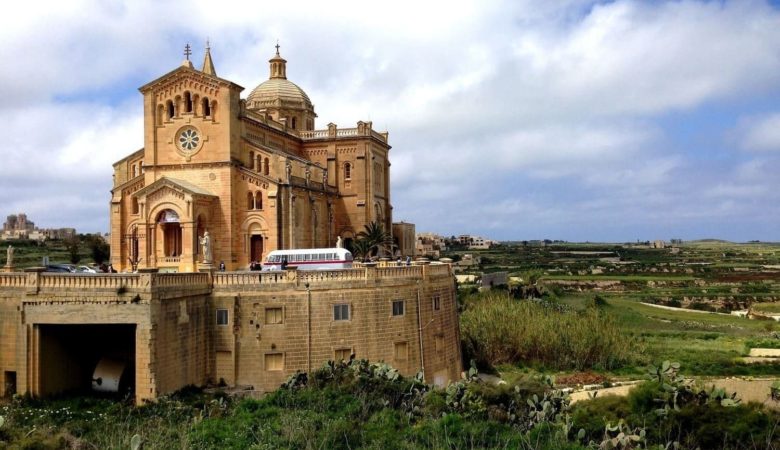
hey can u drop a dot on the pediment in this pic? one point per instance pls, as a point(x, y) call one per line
point(183, 74)
point(172, 188)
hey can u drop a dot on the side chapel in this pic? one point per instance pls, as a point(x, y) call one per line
point(254, 173)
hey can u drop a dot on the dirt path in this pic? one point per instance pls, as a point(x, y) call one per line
point(749, 390)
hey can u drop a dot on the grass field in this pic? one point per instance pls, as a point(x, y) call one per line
point(705, 344)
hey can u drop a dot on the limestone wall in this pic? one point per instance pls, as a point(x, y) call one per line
point(284, 322)
point(241, 328)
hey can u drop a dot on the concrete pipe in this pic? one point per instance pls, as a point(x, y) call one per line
point(107, 375)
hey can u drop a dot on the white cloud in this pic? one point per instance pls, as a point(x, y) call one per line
point(762, 134)
point(550, 109)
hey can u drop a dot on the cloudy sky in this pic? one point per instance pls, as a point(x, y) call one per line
point(518, 119)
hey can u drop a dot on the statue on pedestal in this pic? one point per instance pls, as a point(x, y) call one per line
point(206, 247)
point(9, 260)
point(339, 243)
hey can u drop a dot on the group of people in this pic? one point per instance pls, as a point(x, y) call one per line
point(106, 268)
point(254, 265)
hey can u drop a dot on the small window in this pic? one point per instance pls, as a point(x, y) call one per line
point(436, 303)
point(274, 316)
point(250, 200)
point(347, 171)
point(206, 107)
point(342, 354)
point(222, 317)
point(187, 102)
point(274, 361)
point(401, 351)
point(265, 166)
point(136, 208)
point(258, 200)
point(438, 343)
point(170, 108)
point(398, 308)
point(341, 312)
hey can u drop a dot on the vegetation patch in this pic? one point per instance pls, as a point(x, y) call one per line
point(497, 329)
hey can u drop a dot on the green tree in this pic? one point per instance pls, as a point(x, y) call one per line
point(72, 245)
point(377, 239)
point(360, 249)
point(98, 247)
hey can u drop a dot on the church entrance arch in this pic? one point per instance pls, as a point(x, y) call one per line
point(170, 224)
point(255, 233)
point(256, 247)
point(347, 238)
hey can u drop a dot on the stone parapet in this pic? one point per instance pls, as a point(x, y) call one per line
point(327, 279)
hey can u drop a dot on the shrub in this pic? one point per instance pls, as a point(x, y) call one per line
point(497, 330)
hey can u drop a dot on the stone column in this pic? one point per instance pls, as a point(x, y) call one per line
point(188, 242)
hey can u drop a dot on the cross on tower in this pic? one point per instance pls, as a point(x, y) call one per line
point(277, 46)
point(187, 51)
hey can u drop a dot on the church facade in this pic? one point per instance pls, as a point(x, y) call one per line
point(253, 172)
point(257, 176)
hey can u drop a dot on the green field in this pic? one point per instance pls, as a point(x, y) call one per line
point(703, 275)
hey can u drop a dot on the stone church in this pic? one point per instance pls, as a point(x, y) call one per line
point(257, 176)
point(253, 172)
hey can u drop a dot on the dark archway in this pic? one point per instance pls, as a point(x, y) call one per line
point(256, 248)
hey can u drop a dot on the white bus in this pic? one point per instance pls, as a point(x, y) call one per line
point(309, 259)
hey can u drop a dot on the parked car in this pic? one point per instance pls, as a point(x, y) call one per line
point(86, 269)
point(68, 268)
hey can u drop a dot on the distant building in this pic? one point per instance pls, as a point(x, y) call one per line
point(494, 279)
point(475, 242)
point(404, 237)
point(17, 226)
point(18, 222)
point(430, 245)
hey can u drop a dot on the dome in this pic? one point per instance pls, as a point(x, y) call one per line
point(278, 93)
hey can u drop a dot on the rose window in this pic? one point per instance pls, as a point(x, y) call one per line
point(189, 139)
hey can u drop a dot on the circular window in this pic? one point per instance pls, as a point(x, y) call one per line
point(188, 141)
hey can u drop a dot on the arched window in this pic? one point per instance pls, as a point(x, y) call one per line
point(258, 200)
point(252, 160)
point(347, 171)
point(250, 201)
point(258, 163)
point(265, 167)
point(206, 107)
point(171, 109)
point(177, 105)
point(187, 102)
point(293, 123)
point(136, 208)
point(135, 170)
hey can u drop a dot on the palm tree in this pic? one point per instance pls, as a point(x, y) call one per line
point(379, 241)
point(360, 249)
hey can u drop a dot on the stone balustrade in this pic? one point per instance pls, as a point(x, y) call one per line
point(84, 281)
point(12, 280)
point(63, 283)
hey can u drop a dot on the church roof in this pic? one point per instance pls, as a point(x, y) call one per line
point(278, 91)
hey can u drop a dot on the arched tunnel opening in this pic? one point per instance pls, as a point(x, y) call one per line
point(86, 359)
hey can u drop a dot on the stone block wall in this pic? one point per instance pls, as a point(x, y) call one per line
point(250, 329)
